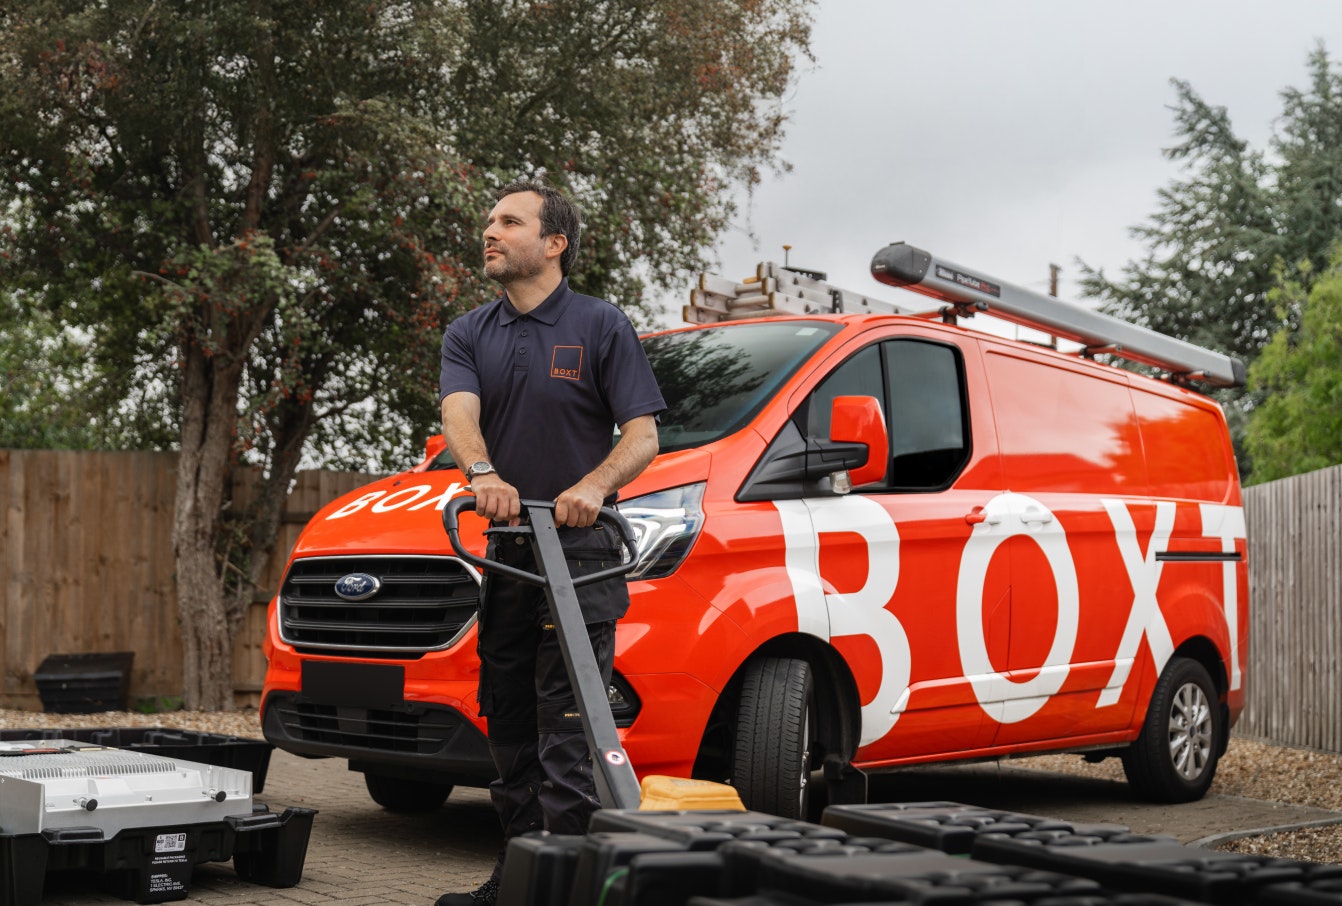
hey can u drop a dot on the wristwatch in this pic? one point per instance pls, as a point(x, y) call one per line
point(476, 469)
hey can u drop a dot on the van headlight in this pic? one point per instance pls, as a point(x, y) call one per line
point(665, 526)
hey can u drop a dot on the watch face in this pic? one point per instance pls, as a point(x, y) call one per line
point(478, 468)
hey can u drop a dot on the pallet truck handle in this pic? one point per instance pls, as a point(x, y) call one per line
point(608, 515)
point(616, 783)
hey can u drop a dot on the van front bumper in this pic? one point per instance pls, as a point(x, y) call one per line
point(423, 739)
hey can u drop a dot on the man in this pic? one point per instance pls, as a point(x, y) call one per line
point(533, 386)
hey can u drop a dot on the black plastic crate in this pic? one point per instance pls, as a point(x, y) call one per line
point(952, 827)
point(1156, 865)
point(84, 683)
point(251, 755)
point(539, 869)
point(909, 874)
point(154, 864)
point(706, 829)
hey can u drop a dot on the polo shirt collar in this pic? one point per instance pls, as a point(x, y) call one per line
point(548, 312)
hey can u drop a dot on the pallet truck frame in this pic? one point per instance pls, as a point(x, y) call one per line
point(617, 785)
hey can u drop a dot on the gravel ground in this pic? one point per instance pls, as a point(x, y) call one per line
point(1253, 770)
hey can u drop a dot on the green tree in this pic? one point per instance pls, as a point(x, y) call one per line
point(1298, 426)
point(1237, 225)
point(40, 368)
point(259, 217)
point(1211, 245)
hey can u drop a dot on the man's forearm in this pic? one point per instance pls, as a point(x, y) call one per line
point(636, 448)
point(461, 429)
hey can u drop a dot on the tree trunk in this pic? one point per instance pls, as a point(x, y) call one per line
point(209, 407)
point(289, 426)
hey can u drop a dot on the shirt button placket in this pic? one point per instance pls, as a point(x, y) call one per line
point(520, 355)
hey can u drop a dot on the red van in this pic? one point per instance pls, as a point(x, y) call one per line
point(870, 540)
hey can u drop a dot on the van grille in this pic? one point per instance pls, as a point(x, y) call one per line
point(423, 738)
point(423, 604)
point(367, 729)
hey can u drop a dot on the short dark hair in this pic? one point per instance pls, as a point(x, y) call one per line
point(558, 215)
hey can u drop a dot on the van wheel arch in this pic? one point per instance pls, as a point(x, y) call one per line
point(1183, 735)
point(1203, 651)
point(836, 706)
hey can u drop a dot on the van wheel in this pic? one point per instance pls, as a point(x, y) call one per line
point(412, 797)
point(775, 724)
point(1174, 758)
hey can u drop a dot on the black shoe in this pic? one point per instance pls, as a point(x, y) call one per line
point(484, 895)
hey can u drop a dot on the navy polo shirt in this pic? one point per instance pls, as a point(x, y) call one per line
point(553, 385)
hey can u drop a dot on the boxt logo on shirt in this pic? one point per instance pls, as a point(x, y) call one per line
point(566, 363)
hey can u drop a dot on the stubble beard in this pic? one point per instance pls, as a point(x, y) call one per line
point(510, 267)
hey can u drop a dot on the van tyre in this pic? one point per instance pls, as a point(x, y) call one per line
point(1174, 758)
point(775, 726)
point(411, 797)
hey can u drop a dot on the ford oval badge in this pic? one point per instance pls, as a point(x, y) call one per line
point(357, 586)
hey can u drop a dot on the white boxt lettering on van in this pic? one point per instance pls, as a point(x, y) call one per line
point(831, 615)
point(355, 505)
point(1006, 516)
point(441, 500)
point(1145, 618)
point(401, 498)
point(1227, 523)
point(397, 499)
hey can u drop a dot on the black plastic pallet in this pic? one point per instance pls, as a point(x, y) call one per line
point(645, 857)
point(708, 828)
point(911, 875)
point(1312, 890)
point(153, 864)
point(775, 898)
point(1208, 876)
point(243, 754)
point(918, 854)
point(952, 827)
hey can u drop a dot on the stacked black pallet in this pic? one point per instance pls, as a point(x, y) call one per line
point(922, 854)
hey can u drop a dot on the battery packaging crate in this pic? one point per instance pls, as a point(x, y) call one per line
point(140, 822)
point(251, 755)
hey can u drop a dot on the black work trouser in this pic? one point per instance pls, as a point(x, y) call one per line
point(535, 730)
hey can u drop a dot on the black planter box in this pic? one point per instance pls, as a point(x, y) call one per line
point(83, 683)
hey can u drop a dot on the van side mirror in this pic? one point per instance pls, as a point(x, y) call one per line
point(858, 420)
point(433, 446)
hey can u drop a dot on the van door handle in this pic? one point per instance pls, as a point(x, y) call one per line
point(977, 515)
point(1034, 516)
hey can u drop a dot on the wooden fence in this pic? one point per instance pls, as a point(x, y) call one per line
point(86, 560)
point(86, 566)
point(1295, 625)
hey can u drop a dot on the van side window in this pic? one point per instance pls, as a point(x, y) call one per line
point(859, 376)
point(929, 442)
point(920, 387)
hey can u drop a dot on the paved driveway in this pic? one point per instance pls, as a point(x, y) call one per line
point(361, 854)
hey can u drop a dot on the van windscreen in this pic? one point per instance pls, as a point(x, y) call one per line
point(715, 379)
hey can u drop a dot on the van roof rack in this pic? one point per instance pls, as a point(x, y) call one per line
point(777, 290)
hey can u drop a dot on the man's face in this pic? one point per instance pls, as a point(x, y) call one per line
point(514, 248)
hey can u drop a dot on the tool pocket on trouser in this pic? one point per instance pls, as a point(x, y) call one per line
point(568, 797)
point(557, 707)
point(523, 682)
point(509, 630)
point(591, 550)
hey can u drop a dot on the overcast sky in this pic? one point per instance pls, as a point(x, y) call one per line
point(1005, 135)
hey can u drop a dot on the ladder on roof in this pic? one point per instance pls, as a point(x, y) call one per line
point(778, 290)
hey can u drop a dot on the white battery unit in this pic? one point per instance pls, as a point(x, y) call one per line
point(141, 822)
point(60, 783)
